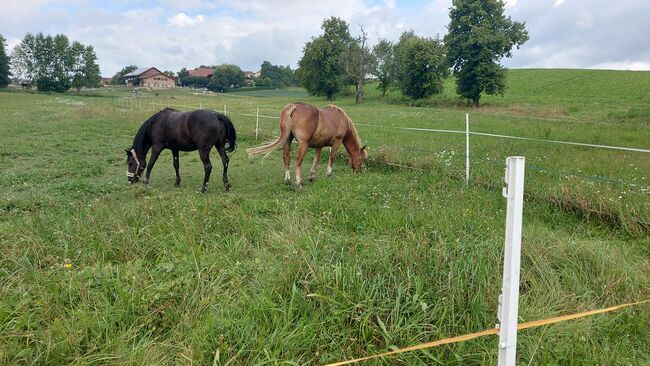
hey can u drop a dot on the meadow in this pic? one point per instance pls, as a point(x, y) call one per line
point(96, 271)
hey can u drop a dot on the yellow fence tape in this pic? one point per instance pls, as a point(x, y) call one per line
point(462, 338)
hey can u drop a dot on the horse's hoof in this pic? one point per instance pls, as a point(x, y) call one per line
point(287, 182)
point(298, 188)
point(227, 186)
point(203, 189)
point(311, 179)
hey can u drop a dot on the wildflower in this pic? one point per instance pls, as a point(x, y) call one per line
point(67, 265)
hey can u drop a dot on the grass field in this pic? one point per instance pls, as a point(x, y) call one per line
point(95, 271)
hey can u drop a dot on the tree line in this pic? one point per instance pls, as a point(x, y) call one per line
point(51, 63)
point(479, 36)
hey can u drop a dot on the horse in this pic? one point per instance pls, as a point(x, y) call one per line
point(314, 127)
point(181, 131)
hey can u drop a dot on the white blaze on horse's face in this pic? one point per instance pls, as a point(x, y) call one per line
point(134, 169)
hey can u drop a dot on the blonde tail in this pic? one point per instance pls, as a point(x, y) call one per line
point(285, 130)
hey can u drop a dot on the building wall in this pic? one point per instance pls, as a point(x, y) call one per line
point(158, 81)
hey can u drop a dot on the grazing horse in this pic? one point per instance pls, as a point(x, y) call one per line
point(314, 127)
point(181, 131)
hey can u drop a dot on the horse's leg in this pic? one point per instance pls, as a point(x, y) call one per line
point(300, 155)
point(312, 172)
point(330, 161)
point(176, 164)
point(155, 152)
point(224, 161)
point(207, 166)
point(287, 160)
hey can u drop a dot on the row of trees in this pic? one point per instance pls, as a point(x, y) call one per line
point(227, 76)
point(479, 36)
point(54, 63)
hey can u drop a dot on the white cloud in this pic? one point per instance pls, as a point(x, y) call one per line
point(183, 20)
point(171, 34)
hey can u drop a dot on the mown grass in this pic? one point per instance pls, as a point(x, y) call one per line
point(96, 271)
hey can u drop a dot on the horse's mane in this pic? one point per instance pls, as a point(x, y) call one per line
point(143, 132)
point(352, 131)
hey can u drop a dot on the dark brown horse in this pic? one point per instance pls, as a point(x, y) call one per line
point(181, 131)
point(315, 127)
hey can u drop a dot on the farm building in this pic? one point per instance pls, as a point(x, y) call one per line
point(149, 77)
point(201, 72)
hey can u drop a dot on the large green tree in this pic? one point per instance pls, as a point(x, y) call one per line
point(92, 75)
point(4, 64)
point(225, 77)
point(479, 36)
point(321, 70)
point(276, 75)
point(383, 55)
point(419, 65)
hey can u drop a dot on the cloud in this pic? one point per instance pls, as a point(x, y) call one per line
point(183, 20)
point(171, 34)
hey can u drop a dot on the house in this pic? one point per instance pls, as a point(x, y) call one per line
point(149, 77)
point(106, 81)
point(201, 72)
point(249, 75)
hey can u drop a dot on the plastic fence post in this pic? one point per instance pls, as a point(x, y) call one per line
point(509, 298)
point(257, 123)
point(467, 148)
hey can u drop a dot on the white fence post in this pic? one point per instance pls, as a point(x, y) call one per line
point(257, 123)
point(224, 110)
point(467, 148)
point(509, 298)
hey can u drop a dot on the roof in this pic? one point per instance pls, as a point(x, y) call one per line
point(139, 71)
point(201, 72)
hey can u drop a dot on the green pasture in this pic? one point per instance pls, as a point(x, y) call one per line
point(96, 271)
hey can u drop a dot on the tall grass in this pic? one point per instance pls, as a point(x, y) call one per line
point(96, 271)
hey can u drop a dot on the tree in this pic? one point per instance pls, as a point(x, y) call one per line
point(479, 36)
point(4, 64)
point(92, 75)
point(383, 55)
point(169, 73)
point(321, 71)
point(225, 77)
point(278, 76)
point(357, 61)
point(195, 81)
point(55, 62)
point(182, 74)
point(420, 66)
point(119, 79)
point(77, 51)
point(23, 60)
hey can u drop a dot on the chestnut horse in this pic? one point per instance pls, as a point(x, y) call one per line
point(314, 127)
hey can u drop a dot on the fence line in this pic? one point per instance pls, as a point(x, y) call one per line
point(509, 137)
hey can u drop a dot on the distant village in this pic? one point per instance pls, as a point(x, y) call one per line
point(152, 77)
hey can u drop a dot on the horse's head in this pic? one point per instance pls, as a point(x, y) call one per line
point(358, 159)
point(135, 167)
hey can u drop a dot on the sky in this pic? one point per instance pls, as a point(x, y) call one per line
point(172, 34)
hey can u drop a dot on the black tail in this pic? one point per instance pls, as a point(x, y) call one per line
point(231, 134)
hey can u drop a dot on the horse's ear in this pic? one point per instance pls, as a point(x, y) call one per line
point(364, 147)
point(128, 152)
